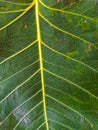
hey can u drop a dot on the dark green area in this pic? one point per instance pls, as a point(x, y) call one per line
point(69, 43)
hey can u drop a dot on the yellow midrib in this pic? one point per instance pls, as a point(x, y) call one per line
point(41, 61)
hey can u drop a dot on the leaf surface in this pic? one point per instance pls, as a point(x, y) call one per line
point(48, 65)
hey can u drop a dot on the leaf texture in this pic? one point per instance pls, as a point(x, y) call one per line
point(48, 65)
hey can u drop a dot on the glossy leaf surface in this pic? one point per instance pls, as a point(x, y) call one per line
point(48, 65)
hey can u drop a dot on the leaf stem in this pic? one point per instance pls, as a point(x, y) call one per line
point(41, 62)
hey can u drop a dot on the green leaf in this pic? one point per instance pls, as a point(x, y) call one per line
point(48, 65)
